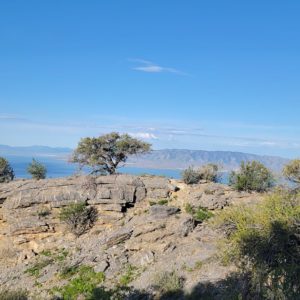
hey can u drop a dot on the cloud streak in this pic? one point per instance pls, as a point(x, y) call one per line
point(150, 67)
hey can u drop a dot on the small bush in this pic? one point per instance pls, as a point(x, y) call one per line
point(168, 283)
point(129, 275)
point(200, 214)
point(252, 176)
point(13, 295)
point(78, 217)
point(190, 176)
point(207, 172)
point(6, 171)
point(292, 171)
point(37, 170)
point(263, 240)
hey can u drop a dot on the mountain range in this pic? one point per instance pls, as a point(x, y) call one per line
point(161, 159)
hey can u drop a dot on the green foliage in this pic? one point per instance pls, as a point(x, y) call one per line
point(38, 266)
point(6, 172)
point(159, 202)
point(252, 176)
point(78, 217)
point(129, 275)
point(84, 283)
point(199, 214)
point(292, 171)
point(13, 295)
point(264, 240)
point(190, 176)
point(106, 152)
point(37, 170)
point(207, 172)
point(168, 283)
point(68, 271)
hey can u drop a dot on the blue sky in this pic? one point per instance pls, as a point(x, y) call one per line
point(215, 75)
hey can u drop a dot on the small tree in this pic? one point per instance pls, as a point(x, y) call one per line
point(6, 171)
point(106, 152)
point(37, 170)
point(252, 176)
point(292, 171)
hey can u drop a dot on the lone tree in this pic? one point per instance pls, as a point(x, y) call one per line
point(106, 152)
point(37, 170)
point(292, 171)
point(6, 171)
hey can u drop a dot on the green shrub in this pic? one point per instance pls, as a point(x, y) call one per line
point(84, 283)
point(190, 176)
point(252, 176)
point(78, 217)
point(167, 283)
point(6, 172)
point(207, 172)
point(37, 170)
point(129, 275)
point(264, 240)
point(38, 266)
point(199, 214)
point(13, 295)
point(292, 171)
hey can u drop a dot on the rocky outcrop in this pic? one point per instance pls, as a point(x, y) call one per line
point(134, 228)
point(30, 206)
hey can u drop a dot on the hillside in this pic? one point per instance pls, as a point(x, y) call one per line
point(180, 158)
point(136, 237)
point(160, 159)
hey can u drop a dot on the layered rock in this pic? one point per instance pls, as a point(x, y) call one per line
point(30, 206)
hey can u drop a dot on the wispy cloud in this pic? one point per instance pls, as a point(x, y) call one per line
point(151, 67)
point(144, 135)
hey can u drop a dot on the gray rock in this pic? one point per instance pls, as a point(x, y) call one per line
point(140, 194)
point(101, 266)
point(186, 226)
point(162, 211)
point(118, 237)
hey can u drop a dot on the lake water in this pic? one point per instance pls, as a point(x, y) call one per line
point(61, 168)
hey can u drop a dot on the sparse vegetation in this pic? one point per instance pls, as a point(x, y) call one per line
point(252, 176)
point(6, 171)
point(78, 217)
point(199, 214)
point(106, 152)
point(190, 176)
point(263, 240)
point(159, 202)
point(292, 171)
point(130, 274)
point(38, 267)
point(168, 283)
point(37, 170)
point(84, 283)
point(207, 172)
point(13, 295)
point(44, 212)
